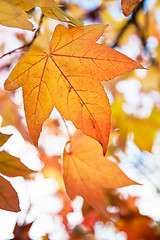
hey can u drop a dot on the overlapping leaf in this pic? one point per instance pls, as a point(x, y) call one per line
point(49, 8)
point(87, 172)
point(29, 4)
point(13, 16)
point(22, 4)
point(12, 13)
point(69, 78)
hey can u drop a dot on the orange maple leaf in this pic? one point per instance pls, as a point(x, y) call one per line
point(87, 172)
point(69, 79)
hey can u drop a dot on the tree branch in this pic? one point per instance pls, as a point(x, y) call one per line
point(130, 21)
point(27, 44)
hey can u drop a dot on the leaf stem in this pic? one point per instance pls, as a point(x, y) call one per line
point(69, 136)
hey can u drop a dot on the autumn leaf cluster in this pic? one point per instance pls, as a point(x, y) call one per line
point(71, 69)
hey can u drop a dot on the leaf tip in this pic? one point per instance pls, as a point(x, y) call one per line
point(10, 85)
point(35, 141)
point(17, 209)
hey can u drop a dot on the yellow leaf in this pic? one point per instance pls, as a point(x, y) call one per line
point(12, 166)
point(152, 80)
point(59, 14)
point(144, 129)
point(10, 115)
point(144, 132)
point(129, 5)
point(87, 173)
point(42, 3)
point(69, 79)
point(13, 16)
point(22, 4)
point(8, 196)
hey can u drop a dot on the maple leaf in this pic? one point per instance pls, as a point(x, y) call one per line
point(59, 14)
point(49, 8)
point(129, 5)
point(69, 78)
point(87, 172)
point(10, 115)
point(13, 16)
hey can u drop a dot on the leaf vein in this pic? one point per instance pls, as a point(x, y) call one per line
point(29, 68)
point(73, 40)
point(79, 98)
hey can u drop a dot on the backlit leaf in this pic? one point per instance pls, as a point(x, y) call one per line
point(59, 14)
point(49, 9)
point(13, 16)
point(22, 4)
point(4, 138)
point(129, 5)
point(8, 196)
point(42, 3)
point(12, 166)
point(144, 129)
point(87, 172)
point(69, 78)
point(29, 4)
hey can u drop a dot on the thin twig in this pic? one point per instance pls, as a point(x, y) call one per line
point(69, 136)
point(27, 44)
point(132, 20)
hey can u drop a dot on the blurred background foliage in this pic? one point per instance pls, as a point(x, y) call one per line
point(135, 131)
